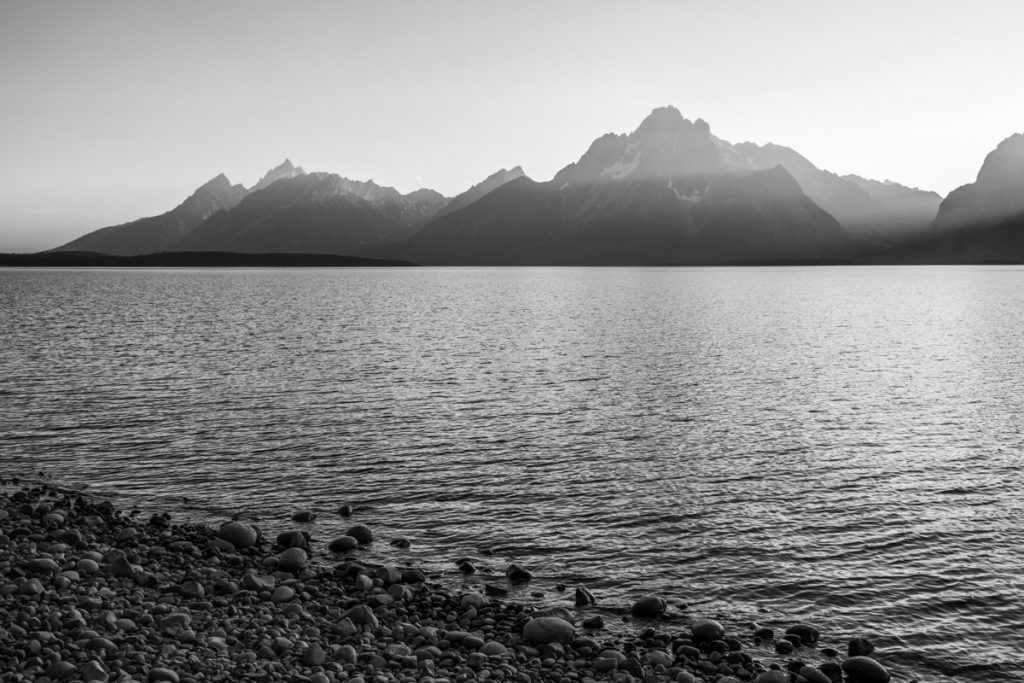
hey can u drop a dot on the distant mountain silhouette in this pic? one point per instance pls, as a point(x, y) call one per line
point(670, 192)
point(150, 235)
point(984, 220)
point(489, 184)
point(314, 213)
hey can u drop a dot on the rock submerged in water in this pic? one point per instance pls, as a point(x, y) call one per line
point(861, 669)
point(859, 647)
point(343, 544)
point(584, 596)
point(517, 574)
point(706, 630)
point(361, 533)
point(649, 607)
point(238, 534)
point(303, 516)
point(808, 634)
point(545, 630)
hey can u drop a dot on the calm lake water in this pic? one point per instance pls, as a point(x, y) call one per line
point(840, 446)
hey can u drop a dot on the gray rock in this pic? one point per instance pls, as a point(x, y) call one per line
point(343, 544)
point(159, 674)
point(861, 669)
point(292, 559)
point(361, 533)
point(303, 516)
point(649, 607)
point(808, 634)
point(258, 582)
point(314, 656)
point(706, 630)
point(238, 534)
point(543, 630)
point(363, 616)
point(813, 675)
point(517, 574)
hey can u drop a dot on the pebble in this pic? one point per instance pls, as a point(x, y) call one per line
point(184, 602)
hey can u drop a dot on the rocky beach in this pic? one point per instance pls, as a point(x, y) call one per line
point(93, 593)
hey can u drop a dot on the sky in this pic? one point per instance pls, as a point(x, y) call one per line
point(116, 110)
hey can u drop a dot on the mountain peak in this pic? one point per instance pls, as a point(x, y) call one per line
point(283, 170)
point(1004, 166)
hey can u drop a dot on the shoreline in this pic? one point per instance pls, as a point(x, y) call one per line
point(90, 592)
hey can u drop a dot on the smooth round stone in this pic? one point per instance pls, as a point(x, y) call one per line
point(813, 675)
point(494, 649)
point(343, 544)
point(292, 539)
point(685, 677)
point(361, 533)
point(43, 565)
point(649, 607)
point(784, 647)
point(258, 582)
point(292, 559)
point(60, 670)
point(861, 669)
point(282, 594)
point(93, 672)
point(706, 630)
point(773, 676)
point(192, 590)
point(656, 657)
point(158, 673)
point(31, 587)
point(594, 623)
point(764, 633)
point(347, 654)
point(543, 630)
point(604, 664)
point(472, 600)
point(807, 633)
point(87, 566)
point(238, 534)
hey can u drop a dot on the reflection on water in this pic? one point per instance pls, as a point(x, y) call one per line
point(835, 445)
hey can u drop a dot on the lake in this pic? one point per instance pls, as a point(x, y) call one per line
point(835, 445)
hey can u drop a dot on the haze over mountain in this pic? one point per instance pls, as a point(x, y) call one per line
point(159, 233)
point(984, 220)
point(668, 192)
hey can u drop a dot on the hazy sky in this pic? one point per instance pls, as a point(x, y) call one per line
point(115, 110)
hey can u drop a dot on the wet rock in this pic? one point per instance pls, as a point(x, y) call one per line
point(543, 630)
point(833, 671)
point(706, 630)
point(649, 607)
point(494, 649)
point(495, 591)
point(584, 597)
point(772, 676)
point(784, 647)
point(193, 590)
point(861, 669)
point(413, 576)
point(361, 533)
point(293, 539)
point(282, 594)
point(808, 634)
point(813, 675)
point(402, 543)
point(303, 516)
point(859, 647)
point(466, 566)
point(61, 670)
point(258, 582)
point(517, 574)
point(594, 623)
point(238, 534)
point(343, 544)
point(362, 616)
point(292, 559)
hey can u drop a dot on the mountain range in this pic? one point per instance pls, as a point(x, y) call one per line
point(669, 192)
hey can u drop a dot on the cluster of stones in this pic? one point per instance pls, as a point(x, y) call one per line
point(90, 593)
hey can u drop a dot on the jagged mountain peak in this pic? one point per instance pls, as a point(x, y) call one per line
point(283, 170)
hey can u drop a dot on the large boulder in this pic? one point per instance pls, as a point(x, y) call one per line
point(238, 534)
point(807, 633)
point(544, 630)
point(862, 669)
